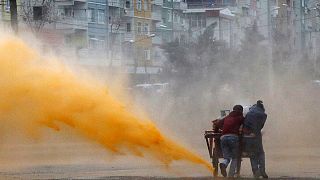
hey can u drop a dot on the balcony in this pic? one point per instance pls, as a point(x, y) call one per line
point(80, 1)
point(157, 40)
point(67, 22)
point(64, 2)
point(128, 37)
point(180, 5)
point(128, 13)
point(156, 16)
point(116, 3)
point(157, 2)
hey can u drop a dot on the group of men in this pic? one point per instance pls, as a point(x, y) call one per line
point(249, 128)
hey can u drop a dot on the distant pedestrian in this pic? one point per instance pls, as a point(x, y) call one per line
point(230, 140)
point(252, 137)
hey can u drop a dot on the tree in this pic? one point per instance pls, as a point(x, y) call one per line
point(252, 63)
point(115, 21)
point(194, 59)
point(37, 13)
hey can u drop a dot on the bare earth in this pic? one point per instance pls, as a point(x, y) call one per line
point(89, 161)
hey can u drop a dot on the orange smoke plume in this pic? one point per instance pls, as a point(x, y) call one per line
point(40, 92)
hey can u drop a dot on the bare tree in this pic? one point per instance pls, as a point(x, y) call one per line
point(115, 20)
point(37, 13)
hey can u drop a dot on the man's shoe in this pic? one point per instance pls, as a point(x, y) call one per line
point(264, 175)
point(223, 169)
point(256, 174)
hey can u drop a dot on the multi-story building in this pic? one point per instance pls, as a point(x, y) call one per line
point(169, 24)
point(72, 23)
point(172, 26)
point(117, 30)
point(84, 25)
point(219, 16)
point(5, 12)
point(312, 34)
point(138, 39)
point(98, 32)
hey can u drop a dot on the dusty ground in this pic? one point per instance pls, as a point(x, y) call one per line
point(89, 161)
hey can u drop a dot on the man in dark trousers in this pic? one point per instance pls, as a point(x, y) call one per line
point(252, 137)
point(230, 140)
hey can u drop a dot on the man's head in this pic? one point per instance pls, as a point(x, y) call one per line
point(238, 108)
point(260, 104)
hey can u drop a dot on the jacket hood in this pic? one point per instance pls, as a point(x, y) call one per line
point(255, 108)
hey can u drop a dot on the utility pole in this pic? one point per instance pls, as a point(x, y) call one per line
point(14, 16)
point(269, 21)
point(270, 63)
point(107, 37)
point(230, 33)
point(172, 33)
point(302, 24)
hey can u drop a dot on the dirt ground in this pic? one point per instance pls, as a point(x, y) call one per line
point(89, 161)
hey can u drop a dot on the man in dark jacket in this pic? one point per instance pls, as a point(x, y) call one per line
point(230, 140)
point(252, 126)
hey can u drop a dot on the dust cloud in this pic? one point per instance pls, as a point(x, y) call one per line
point(203, 83)
point(40, 93)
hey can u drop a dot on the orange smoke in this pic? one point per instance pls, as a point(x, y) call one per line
point(37, 91)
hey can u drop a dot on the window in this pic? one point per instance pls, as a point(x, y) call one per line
point(146, 28)
point(68, 12)
point(128, 27)
point(194, 21)
point(127, 4)
point(199, 21)
point(67, 39)
point(37, 13)
point(181, 20)
point(147, 54)
point(7, 6)
point(169, 16)
point(95, 43)
point(92, 42)
point(100, 42)
point(204, 21)
point(175, 17)
point(146, 5)
point(229, 2)
point(164, 20)
point(258, 4)
point(101, 17)
point(139, 4)
point(245, 11)
point(139, 27)
point(91, 15)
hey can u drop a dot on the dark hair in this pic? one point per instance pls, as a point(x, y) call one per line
point(260, 104)
point(238, 108)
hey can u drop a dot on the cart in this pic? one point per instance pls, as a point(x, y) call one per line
point(212, 138)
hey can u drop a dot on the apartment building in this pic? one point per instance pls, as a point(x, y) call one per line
point(98, 32)
point(138, 39)
point(5, 12)
point(217, 15)
point(117, 29)
point(72, 23)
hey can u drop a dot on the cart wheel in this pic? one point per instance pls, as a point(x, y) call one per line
point(215, 163)
point(239, 167)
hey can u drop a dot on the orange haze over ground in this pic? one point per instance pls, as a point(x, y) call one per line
point(37, 92)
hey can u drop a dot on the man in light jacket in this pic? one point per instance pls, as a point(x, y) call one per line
point(252, 137)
